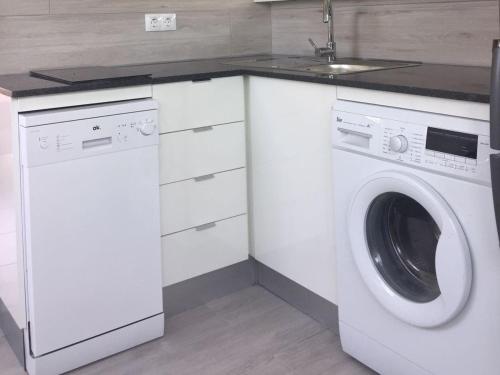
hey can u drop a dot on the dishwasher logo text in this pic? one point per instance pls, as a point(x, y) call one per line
point(96, 128)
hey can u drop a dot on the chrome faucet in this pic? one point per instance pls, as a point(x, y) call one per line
point(330, 51)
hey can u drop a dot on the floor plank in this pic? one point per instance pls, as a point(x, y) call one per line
point(9, 364)
point(251, 332)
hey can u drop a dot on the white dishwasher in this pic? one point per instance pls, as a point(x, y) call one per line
point(90, 178)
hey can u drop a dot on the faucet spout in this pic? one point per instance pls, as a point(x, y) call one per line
point(328, 18)
point(327, 10)
point(331, 50)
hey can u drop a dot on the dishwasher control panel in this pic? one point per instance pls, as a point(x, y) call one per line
point(446, 144)
point(80, 138)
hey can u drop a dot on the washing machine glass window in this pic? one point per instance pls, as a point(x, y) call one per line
point(410, 248)
point(402, 238)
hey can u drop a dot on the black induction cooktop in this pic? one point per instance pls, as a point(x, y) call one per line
point(71, 76)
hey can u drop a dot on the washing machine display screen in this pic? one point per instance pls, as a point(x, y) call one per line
point(450, 142)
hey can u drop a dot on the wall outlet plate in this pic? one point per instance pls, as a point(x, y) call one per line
point(161, 22)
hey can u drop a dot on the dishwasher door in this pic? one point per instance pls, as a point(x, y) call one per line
point(92, 230)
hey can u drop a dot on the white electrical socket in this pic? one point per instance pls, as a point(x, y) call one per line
point(161, 22)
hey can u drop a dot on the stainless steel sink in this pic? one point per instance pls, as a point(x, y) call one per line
point(342, 68)
point(321, 66)
point(283, 63)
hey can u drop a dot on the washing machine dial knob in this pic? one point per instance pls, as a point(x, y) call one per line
point(399, 144)
point(147, 128)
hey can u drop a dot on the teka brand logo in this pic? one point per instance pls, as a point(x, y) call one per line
point(96, 128)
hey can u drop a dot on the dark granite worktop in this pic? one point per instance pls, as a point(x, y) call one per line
point(442, 81)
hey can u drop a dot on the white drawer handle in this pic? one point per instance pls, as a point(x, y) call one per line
point(205, 227)
point(203, 129)
point(204, 178)
point(201, 80)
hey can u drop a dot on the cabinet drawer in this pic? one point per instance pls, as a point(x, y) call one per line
point(201, 151)
point(194, 252)
point(188, 105)
point(190, 203)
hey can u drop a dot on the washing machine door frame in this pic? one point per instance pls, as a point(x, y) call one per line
point(452, 259)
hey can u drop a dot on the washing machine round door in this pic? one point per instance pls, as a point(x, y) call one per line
point(410, 249)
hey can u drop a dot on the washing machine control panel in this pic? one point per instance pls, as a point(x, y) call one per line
point(401, 143)
point(447, 144)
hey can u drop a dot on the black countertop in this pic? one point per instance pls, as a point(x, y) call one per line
point(442, 81)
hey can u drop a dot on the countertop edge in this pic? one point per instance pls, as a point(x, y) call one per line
point(410, 90)
point(193, 76)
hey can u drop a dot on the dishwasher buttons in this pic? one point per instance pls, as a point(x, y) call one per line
point(122, 137)
point(43, 143)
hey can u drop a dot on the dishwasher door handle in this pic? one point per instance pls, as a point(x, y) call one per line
point(97, 143)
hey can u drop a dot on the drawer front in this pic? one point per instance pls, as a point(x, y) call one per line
point(188, 105)
point(201, 151)
point(195, 252)
point(190, 203)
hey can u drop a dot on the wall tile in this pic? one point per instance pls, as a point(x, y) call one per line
point(142, 6)
point(447, 31)
point(97, 32)
point(48, 41)
point(23, 7)
point(93, 32)
point(251, 31)
point(291, 28)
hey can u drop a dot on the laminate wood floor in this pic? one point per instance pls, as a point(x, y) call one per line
point(251, 332)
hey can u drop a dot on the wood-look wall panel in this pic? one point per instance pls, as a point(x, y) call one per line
point(115, 54)
point(348, 3)
point(291, 28)
point(49, 41)
point(454, 32)
point(138, 6)
point(106, 29)
point(99, 32)
point(251, 31)
point(23, 7)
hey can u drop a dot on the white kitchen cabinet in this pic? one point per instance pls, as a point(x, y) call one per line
point(291, 187)
point(195, 104)
point(201, 151)
point(203, 176)
point(204, 249)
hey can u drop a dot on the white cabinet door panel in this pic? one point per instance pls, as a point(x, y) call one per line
point(188, 105)
point(190, 203)
point(291, 187)
point(194, 252)
point(198, 152)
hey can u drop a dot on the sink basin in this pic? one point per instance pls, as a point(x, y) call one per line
point(280, 62)
point(342, 68)
point(321, 66)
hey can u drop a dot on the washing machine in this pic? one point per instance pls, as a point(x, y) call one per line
point(417, 248)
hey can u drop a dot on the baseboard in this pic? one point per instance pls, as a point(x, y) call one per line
point(13, 334)
point(299, 297)
point(199, 290)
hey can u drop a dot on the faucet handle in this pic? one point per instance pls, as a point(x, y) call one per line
point(317, 50)
point(315, 46)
